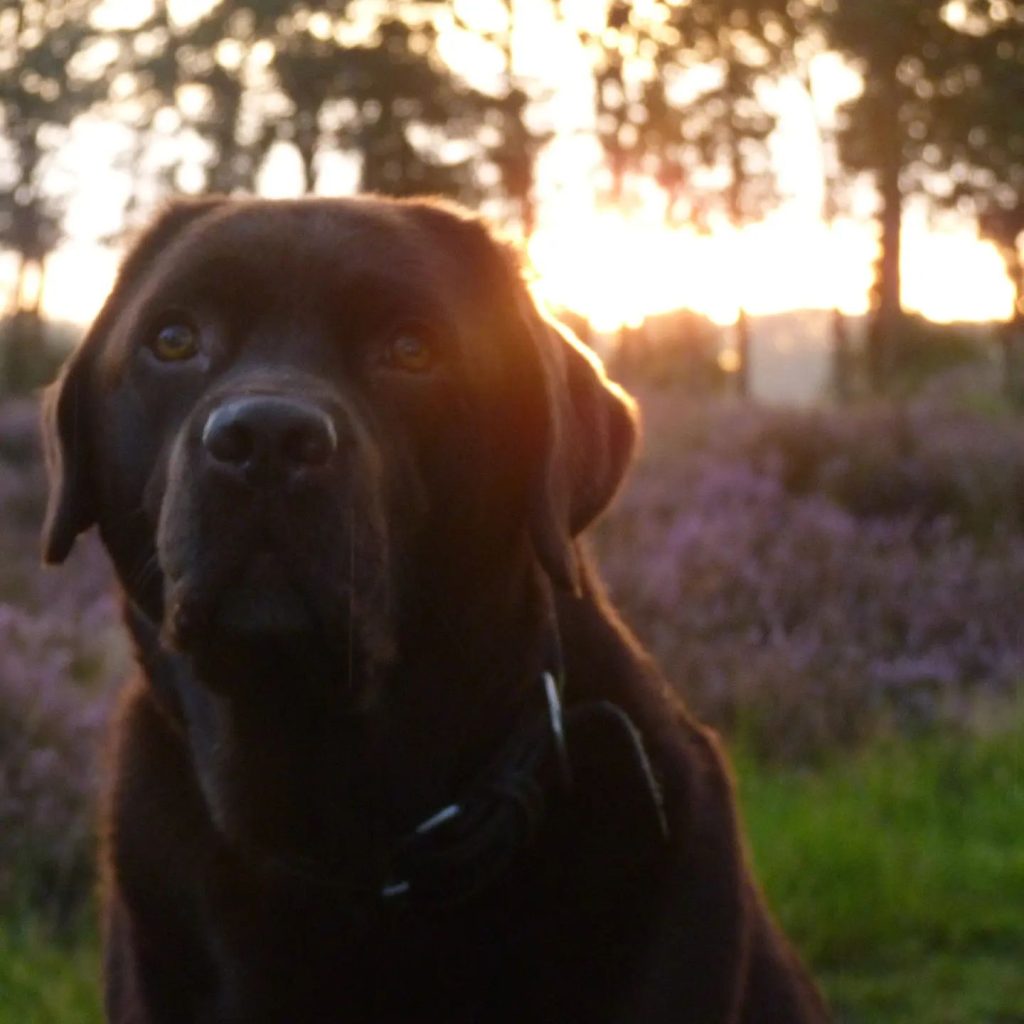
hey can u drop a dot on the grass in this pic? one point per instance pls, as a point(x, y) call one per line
point(898, 871)
point(47, 981)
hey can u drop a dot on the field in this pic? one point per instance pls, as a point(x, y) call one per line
point(893, 869)
point(838, 592)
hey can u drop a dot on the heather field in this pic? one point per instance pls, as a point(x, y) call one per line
point(840, 592)
point(812, 579)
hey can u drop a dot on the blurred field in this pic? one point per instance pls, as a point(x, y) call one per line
point(45, 979)
point(817, 578)
point(898, 871)
point(893, 869)
point(838, 591)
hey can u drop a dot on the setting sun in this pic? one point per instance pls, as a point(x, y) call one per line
point(615, 270)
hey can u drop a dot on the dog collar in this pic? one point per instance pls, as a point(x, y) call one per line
point(465, 846)
point(592, 755)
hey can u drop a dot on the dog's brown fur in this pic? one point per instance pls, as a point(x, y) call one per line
point(342, 638)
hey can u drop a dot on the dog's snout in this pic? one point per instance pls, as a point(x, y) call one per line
point(276, 434)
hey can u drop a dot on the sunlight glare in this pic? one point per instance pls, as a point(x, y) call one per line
point(616, 269)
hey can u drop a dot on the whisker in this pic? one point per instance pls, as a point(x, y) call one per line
point(144, 575)
point(351, 581)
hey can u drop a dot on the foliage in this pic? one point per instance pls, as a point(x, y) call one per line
point(44, 85)
point(923, 350)
point(31, 352)
point(809, 579)
point(61, 653)
point(676, 350)
point(250, 75)
point(979, 142)
point(895, 44)
point(47, 78)
point(368, 94)
point(676, 98)
point(805, 577)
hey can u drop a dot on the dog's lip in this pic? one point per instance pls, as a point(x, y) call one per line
point(264, 611)
point(263, 597)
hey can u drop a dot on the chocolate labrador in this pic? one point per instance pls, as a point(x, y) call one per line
point(391, 755)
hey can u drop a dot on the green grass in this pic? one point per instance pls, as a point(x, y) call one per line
point(45, 981)
point(898, 871)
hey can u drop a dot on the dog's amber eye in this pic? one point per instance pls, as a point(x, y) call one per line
point(410, 352)
point(175, 342)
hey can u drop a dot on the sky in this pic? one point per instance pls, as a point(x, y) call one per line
point(611, 266)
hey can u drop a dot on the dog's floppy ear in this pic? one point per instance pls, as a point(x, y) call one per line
point(71, 508)
point(591, 432)
point(68, 416)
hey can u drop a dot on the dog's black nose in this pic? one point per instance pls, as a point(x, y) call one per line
point(269, 433)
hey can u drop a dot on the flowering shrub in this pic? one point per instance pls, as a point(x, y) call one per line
point(807, 578)
point(812, 577)
point(61, 653)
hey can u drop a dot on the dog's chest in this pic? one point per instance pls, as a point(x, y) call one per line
point(539, 946)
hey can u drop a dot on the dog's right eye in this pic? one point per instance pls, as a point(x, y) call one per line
point(175, 342)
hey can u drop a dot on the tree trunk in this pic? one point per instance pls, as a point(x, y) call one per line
point(1013, 336)
point(743, 339)
point(884, 330)
point(841, 369)
point(308, 172)
point(35, 308)
point(305, 143)
point(23, 364)
point(20, 278)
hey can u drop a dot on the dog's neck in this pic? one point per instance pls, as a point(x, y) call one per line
point(285, 769)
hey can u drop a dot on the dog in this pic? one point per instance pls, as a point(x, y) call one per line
point(391, 756)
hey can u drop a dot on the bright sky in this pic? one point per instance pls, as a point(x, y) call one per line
point(608, 266)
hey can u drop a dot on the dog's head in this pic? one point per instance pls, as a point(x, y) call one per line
point(295, 422)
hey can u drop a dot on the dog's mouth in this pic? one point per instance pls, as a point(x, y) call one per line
point(262, 596)
point(242, 612)
point(265, 599)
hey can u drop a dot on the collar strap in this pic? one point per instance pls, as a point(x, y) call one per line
point(465, 847)
point(591, 762)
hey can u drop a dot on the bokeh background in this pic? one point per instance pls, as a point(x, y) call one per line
point(793, 228)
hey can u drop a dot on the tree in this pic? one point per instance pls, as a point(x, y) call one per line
point(326, 78)
point(197, 79)
point(899, 47)
point(979, 143)
point(388, 100)
point(809, 44)
point(677, 100)
point(516, 152)
point(44, 86)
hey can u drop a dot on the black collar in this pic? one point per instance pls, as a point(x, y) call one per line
point(590, 762)
point(463, 848)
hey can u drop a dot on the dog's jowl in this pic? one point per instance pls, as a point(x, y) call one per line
point(390, 755)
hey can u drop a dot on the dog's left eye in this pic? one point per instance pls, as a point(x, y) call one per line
point(411, 352)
